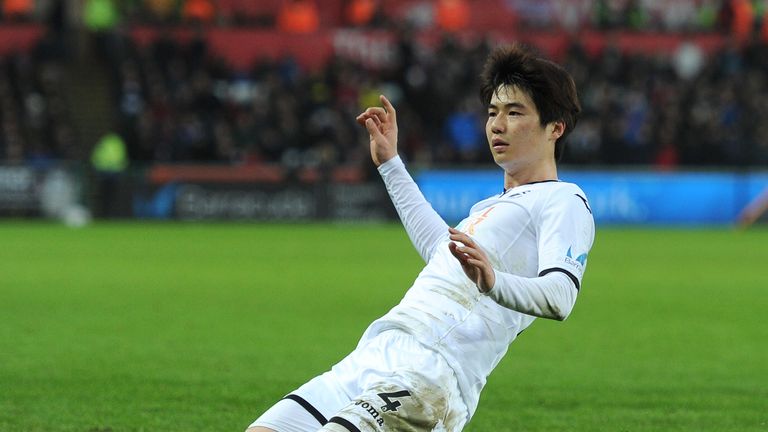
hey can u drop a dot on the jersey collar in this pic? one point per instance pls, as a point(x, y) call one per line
point(531, 183)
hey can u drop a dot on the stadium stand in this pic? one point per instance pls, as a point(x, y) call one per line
point(664, 84)
point(211, 95)
point(639, 108)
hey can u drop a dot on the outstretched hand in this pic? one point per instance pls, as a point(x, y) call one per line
point(473, 260)
point(381, 124)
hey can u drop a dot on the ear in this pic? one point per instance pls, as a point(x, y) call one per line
point(556, 128)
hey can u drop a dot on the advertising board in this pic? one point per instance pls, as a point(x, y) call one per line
point(616, 197)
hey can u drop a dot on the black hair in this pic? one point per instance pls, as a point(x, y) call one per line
point(549, 86)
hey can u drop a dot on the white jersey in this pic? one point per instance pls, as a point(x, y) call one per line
point(527, 231)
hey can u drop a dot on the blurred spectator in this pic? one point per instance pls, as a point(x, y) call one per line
point(18, 10)
point(109, 155)
point(248, 12)
point(361, 13)
point(743, 19)
point(100, 15)
point(464, 131)
point(299, 16)
point(764, 27)
point(35, 124)
point(534, 13)
point(452, 15)
point(162, 11)
point(109, 160)
point(199, 11)
point(706, 15)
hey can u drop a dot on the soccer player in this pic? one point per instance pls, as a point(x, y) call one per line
point(519, 255)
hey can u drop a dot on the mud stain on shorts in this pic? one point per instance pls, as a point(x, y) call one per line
point(390, 407)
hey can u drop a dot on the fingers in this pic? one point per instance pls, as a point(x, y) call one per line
point(459, 236)
point(377, 113)
point(388, 106)
point(468, 255)
point(372, 128)
point(361, 119)
point(382, 115)
point(473, 260)
point(462, 259)
point(453, 247)
point(373, 114)
point(469, 248)
point(471, 254)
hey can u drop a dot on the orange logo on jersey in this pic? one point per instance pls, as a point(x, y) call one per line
point(473, 224)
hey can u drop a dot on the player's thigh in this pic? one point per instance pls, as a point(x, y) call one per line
point(407, 401)
point(259, 429)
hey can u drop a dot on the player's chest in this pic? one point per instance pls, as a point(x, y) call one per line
point(496, 221)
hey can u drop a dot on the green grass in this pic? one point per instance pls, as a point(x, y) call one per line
point(171, 327)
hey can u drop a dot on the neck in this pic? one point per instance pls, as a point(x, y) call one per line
point(516, 176)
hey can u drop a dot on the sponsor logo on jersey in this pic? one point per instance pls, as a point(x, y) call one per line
point(391, 404)
point(372, 411)
point(479, 219)
point(580, 260)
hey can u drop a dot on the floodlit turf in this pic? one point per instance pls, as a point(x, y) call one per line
point(179, 327)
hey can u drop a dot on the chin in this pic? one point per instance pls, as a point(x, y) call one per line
point(501, 160)
point(507, 165)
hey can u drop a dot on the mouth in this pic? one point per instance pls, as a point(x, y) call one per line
point(499, 145)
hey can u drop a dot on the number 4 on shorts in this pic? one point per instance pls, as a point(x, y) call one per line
point(391, 405)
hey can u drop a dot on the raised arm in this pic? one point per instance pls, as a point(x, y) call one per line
point(422, 223)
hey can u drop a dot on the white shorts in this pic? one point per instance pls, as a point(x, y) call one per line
point(390, 383)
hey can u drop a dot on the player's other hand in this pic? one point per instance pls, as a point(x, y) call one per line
point(473, 260)
point(381, 124)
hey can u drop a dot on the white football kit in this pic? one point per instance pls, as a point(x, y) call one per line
point(423, 364)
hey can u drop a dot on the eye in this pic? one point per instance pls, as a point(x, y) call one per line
point(491, 114)
point(514, 113)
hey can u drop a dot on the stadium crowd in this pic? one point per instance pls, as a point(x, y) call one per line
point(35, 123)
point(181, 102)
point(307, 15)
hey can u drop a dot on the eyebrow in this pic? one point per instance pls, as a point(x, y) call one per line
point(517, 105)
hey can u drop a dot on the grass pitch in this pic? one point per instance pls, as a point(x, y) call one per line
point(177, 327)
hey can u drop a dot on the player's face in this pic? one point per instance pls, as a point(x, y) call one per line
point(515, 135)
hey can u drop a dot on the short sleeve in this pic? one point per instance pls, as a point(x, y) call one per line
point(566, 231)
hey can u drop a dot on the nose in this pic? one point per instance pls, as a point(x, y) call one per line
point(498, 124)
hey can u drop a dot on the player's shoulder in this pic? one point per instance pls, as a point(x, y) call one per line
point(559, 196)
point(567, 198)
point(563, 191)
